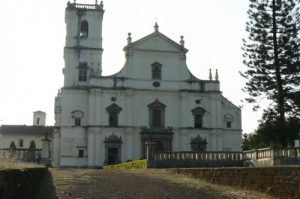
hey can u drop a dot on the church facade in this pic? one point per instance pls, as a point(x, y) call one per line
point(154, 103)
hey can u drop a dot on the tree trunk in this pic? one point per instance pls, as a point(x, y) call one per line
point(280, 99)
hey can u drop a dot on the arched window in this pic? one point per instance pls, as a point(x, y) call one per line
point(38, 121)
point(157, 114)
point(198, 113)
point(156, 70)
point(113, 113)
point(84, 29)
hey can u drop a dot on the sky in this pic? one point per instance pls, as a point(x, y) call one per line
point(32, 38)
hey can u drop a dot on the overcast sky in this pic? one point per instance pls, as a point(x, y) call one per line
point(33, 34)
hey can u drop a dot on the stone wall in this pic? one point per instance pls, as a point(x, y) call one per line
point(194, 163)
point(21, 183)
point(283, 182)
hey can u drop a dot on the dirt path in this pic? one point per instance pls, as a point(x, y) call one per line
point(135, 184)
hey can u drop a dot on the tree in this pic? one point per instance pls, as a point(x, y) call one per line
point(12, 145)
point(267, 133)
point(272, 56)
point(32, 146)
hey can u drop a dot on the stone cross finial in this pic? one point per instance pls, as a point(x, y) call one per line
point(210, 75)
point(217, 75)
point(156, 27)
point(181, 41)
point(129, 39)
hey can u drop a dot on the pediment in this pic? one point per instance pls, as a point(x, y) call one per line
point(156, 42)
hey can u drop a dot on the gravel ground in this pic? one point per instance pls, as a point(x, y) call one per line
point(136, 184)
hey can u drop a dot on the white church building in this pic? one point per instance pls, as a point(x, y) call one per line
point(153, 99)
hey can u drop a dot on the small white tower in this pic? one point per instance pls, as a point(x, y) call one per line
point(83, 47)
point(39, 118)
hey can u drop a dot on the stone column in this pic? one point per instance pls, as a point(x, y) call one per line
point(91, 147)
point(150, 150)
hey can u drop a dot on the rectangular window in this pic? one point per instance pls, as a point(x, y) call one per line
point(198, 120)
point(228, 124)
point(113, 118)
point(21, 143)
point(82, 72)
point(156, 118)
point(77, 121)
point(80, 153)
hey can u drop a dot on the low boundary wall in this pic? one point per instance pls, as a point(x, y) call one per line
point(282, 182)
point(264, 157)
point(21, 183)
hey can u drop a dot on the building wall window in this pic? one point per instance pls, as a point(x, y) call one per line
point(77, 121)
point(78, 116)
point(21, 143)
point(38, 120)
point(198, 114)
point(228, 124)
point(157, 114)
point(80, 153)
point(84, 29)
point(82, 72)
point(228, 119)
point(198, 120)
point(156, 70)
point(113, 114)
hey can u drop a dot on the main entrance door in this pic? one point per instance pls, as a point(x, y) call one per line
point(112, 155)
point(155, 141)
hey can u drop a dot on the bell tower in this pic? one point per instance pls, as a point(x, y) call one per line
point(83, 47)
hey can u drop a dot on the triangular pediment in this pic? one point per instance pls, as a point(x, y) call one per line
point(156, 42)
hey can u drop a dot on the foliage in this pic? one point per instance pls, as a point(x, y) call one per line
point(268, 133)
point(12, 145)
point(137, 164)
point(271, 54)
point(32, 145)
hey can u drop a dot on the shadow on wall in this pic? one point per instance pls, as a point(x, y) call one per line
point(28, 183)
point(47, 189)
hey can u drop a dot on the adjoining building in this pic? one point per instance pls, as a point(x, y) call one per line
point(22, 135)
point(154, 103)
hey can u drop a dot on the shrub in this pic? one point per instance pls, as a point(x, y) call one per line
point(12, 145)
point(32, 146)
point(138, 164)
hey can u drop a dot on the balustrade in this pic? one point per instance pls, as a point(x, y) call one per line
point(230, 156)
point(208, 155)
point(20, 155)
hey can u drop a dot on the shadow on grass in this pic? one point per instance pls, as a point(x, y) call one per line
point(47, 189)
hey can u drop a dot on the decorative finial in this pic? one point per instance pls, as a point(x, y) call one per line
point(217, 75)
point(96, 2)
point(74, 1)
point(129, 38)
point(156, 27)
point(210, 75)
point(181, 41)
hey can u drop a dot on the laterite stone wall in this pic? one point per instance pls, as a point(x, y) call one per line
point(21, 183)
point(283, 182)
